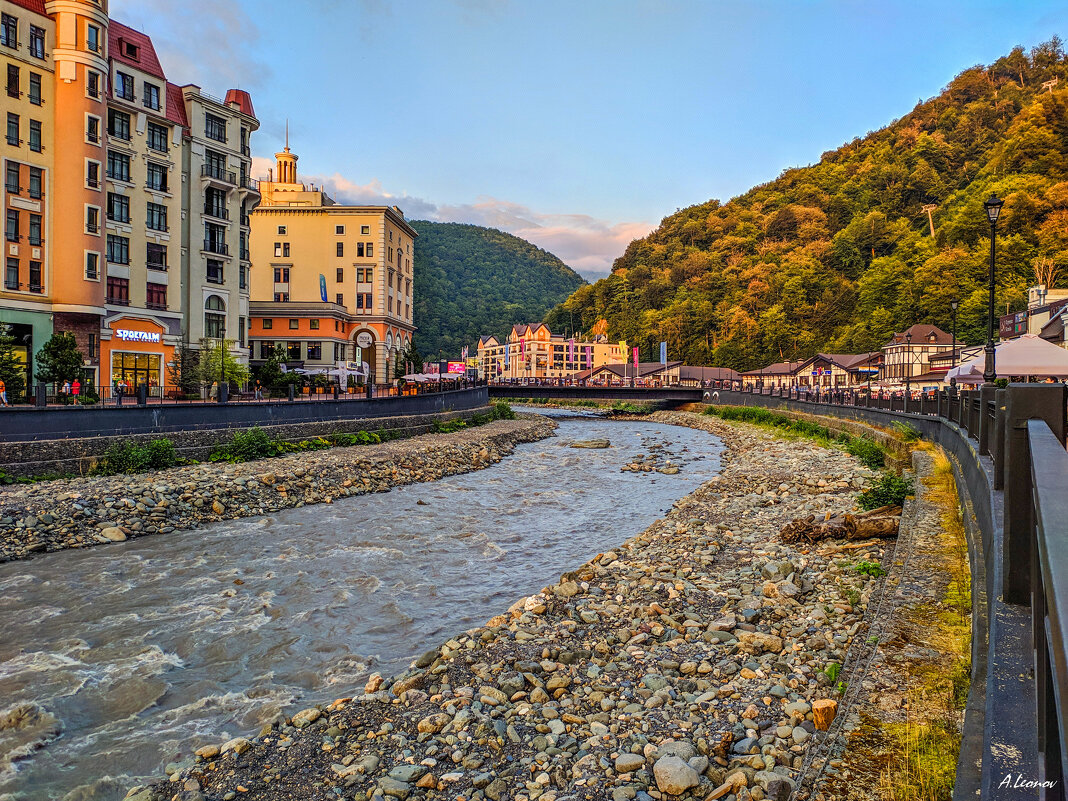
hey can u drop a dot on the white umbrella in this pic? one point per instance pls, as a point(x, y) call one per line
point(1026, 355)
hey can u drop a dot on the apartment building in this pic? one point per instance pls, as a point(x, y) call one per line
point(111, 195)
point(332, 283)
point(534, 352)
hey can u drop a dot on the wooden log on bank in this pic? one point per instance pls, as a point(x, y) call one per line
point(881, 523)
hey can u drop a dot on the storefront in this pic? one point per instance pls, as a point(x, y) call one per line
point(137, 352)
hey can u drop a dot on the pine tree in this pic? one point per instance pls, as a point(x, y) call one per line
point(12, 369)
point(59, 359)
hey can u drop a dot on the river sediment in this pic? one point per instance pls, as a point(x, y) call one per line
point(80, 512)
point(685, 663)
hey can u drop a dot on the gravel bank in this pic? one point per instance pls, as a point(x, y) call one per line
point(79, 512)
point(684, 664)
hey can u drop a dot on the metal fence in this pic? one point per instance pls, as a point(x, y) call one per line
point(1013, 439)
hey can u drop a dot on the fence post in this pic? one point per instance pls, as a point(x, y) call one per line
point(986, 423)
point(142, 394)
point(292, 391)
point(224, 391)
point(997, 446)
point(1024, 402)
point(40, 397)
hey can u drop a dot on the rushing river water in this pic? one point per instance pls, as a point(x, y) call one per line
point(118, 659)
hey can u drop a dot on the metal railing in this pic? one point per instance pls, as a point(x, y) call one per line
point(218, 173)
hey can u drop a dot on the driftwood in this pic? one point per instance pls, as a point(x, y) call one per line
point(882, 523)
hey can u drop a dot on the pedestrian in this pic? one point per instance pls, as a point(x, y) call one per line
point(66, 388)
point(257, 391)
point(3, 392)
point(76, 389)
point(214, 390)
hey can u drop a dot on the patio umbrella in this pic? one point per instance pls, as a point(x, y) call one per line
point(1026, 355)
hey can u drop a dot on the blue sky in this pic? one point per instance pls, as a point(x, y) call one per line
point(577, 125)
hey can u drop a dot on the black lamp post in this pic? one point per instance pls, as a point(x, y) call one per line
point(908, 365)
point(953, 305)
point(993, 206)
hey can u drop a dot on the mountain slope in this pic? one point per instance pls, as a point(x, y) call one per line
point(471, 281)
point(838, 255)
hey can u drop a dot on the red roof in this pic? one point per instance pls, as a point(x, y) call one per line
point(176, 105)
point(37, 6)
point(146, 59)
point(242, 99)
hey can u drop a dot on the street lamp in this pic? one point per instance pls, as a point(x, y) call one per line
point(953, 305)
point(908, 366)
point(993, 206)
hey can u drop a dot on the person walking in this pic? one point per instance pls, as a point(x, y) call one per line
point(66, 388)
point(257, 390)
point(214, 390)
point(3, 392)
point(76, 389)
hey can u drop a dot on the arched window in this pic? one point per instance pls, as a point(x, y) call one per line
point(214, 318)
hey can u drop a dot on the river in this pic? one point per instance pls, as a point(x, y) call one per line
point(118, 659)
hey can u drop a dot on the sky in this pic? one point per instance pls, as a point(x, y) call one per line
point(575, 124)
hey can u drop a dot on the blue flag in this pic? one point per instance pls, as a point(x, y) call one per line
point(663, 353)
point(322, 286)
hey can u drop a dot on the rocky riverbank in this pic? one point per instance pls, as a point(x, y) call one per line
point(79, 512)
point(697, 660)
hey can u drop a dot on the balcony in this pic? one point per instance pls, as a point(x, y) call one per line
point(245, 221)
point(249, 186)
point(216, 212)
point(118, 301)
point(218, 174)
point(156, 306)
point(156, 265)
point(246, 150)
point(245, 254)
point(36, 288)
point(220, 248)
point(92, 228)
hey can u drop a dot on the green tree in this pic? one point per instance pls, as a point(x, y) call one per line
point(12, 369)
point(217, 362)
point(183, 369)
point(409, 355)
point(59, 359)
point(270, 372)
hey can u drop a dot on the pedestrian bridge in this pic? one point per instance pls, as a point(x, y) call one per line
point(660, 395)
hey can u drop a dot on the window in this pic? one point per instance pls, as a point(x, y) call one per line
point(156, 177)
point(215, 203)
point(340, 274)
point(93, 346)
point(389, 255)
point(9, 31)
point(35, 230)
point(281, 275)
point(119, 124)
point(292, 350)
point(157, 137)
point(214, 318)
point(37, 39)
point(340, 248)
point(13, 81)
point(118, 249)
point(11, 274)
point(391, 236)
point(215, 239)
point(35, 89)
point(92, 174)
point(294, 324)
point(266, 349)
point(281, 297)
point(35, 136)
point(92, 38)
point(118, 291)
point(13, 129)
point(92, 266)
point(215, 127)
point(215, 271)
point(131, 50)
point(365, 230)
point(281, 249)
point(314, 325)
point(315, 350)
point(363, 301)
point(340, 299)
point(92, 83)
point(36, 174)
point(11, 177)
point(370, 250)
point(157, 217)
point(151, 96)
point(242, 273)
point(118, 208)
point(156, 256)
point(365, 275)
point(11, 226)
point(281, 230)
point(92, 129)
point(241, 331)
point(124, 86)
point(389, 305)
point(268, 324)
point(118, 166)
point(156, 296)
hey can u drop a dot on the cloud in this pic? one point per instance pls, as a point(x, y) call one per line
point(587, 244)
point(206, 42)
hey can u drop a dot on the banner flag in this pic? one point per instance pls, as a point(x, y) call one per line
point(507, 354)
point(589, 357)
point(522, 347)
point(635, 362)
point(663, 353)
point(322, 287)
point(571, 350)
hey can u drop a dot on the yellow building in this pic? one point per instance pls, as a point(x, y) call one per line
point(533, 352)
point(330, 283)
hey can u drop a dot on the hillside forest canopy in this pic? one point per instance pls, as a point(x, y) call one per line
point(472, 281)
point(837, 256)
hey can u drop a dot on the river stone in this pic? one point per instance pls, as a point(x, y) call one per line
point(238, 745)
point(628, 763)
point(431, 724)
point(394, 788)
point(591, 443)
point(680, 748)
point(674, 776)
point(113, 533)
point(306, 717)
point(407, 773)
point(496, 789)
point(566, 589)
point(758, 641)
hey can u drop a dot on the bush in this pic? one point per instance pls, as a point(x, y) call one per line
point(888, 490)
point(907, 432)
point(246, 446)
point(873, 569)
point(870, 453)
point(502, 411)
point(130, 457)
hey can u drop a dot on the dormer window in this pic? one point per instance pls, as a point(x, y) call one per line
point(131, 50)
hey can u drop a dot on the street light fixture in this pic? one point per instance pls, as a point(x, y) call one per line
point(993, 206)
point(953, 305)
point(908, 367)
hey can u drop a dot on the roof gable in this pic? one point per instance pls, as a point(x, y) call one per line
point(145, 60)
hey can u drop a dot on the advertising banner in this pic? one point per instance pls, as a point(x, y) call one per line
point(663, 353)
point(322, 286)
point(635, 351)
point(456, 367)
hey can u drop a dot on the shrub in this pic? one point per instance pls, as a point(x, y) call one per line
point(246, 446)
point(907, 432)
point(869, 452)
point(873, 569)
point(130, 457)
point(502, 411)
point(887, 490)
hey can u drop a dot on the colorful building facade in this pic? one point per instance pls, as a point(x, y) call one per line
point(533, 352)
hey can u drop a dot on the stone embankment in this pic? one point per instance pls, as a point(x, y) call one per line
point(78, 512)
point(697, 660)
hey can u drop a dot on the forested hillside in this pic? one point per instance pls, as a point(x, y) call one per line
point(471, 281)
point(838, 255)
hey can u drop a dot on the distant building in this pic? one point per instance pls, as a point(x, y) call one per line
point(650, 374)
point(822, 371)
point(532, 351)
point(332, 284)
point(908, 354)
point(1043, 305)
